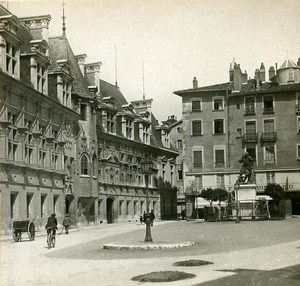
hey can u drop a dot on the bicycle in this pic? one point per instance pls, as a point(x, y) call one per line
point(50, 237)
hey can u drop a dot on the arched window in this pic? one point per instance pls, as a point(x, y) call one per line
point(84, 165)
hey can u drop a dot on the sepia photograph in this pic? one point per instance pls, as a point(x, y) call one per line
point(150, 142)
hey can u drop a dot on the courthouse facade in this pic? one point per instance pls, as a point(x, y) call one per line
point(71, 143)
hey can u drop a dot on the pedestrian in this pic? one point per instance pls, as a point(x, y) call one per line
point(66, 223)
point(144, 217)
point(152, 217)
point(141, 219)
point(183, 214)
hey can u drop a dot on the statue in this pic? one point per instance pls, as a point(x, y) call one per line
point(247, 172)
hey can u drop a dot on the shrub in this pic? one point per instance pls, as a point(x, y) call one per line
point(275, 191)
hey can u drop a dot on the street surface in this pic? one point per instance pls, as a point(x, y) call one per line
point(248, 253)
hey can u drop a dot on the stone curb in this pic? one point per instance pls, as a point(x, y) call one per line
point(146, 246)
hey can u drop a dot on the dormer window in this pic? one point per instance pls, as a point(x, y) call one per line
point(66, 94)
point(129, 124)
point(41, 79)
point(110, 123)
point(146, 134)
point(12, 60)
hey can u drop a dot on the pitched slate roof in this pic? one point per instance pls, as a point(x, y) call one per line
point(107, 89)
point(287, 64)
point(268, 87)
point(221, 86)
point(60, 49)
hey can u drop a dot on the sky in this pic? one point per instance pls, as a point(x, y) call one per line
point(174, 40)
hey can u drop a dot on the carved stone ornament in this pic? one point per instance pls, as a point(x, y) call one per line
point(4, 132)
point(112, 173)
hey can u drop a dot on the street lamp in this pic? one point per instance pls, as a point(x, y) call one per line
point(147, 166)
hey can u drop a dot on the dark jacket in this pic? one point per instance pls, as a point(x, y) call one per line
point(66, 221)
point(152, 216)
point(52, 222)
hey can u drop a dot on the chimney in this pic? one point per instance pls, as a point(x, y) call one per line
point(195, 83)
point(276, 65)
point(256, 74)
point(92, 71)
point(81, 60)
point(237, 78)
point(262, 72)
point(244, 77)
point(271, 73)
point(231, 72)
point(298, 63)
point(38, 26)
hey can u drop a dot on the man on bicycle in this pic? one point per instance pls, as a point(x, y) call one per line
point(51, 224)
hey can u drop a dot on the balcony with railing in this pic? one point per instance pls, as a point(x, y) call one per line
point(268, 110)
point(270, 162)
point(197, 165)
point(250, 111)
point(250, 138)
point(219, 165)
point(269, 136)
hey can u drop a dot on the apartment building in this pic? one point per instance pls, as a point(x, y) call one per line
point(257, 116)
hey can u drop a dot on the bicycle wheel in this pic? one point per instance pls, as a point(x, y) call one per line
point(49, 239)
point(15, 236)
point(31, 230)
point(53, 241)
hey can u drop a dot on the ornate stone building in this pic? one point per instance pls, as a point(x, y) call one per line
point(71, 143)
point(39, 128)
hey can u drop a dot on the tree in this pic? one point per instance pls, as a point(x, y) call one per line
point(221, 194)
point(275, 191)
point(210, 195)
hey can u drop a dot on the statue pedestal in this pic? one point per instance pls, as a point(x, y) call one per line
point(245, 195)
point(245, 192)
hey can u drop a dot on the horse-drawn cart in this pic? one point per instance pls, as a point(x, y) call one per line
point(23, 226)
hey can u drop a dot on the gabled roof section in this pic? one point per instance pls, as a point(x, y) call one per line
point(288, 64)
point(176, 123)
point(110, 90)
point(155, 138)
point(60, 49)
point(215, 87)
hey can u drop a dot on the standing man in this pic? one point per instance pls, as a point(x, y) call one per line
point(66, 223)
point(152, 217)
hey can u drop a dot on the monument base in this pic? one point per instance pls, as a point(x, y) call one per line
point(245, 192)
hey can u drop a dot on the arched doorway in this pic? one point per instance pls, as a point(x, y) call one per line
point(109, 210)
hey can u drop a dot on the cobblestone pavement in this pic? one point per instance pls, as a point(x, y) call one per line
point(264, 247)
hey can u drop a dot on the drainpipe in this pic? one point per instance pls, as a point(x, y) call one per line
point(228, 132)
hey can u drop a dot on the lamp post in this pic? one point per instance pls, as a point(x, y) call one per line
point(147, 166)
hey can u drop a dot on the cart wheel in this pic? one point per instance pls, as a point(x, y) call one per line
point(15, 236)
point(31, 231)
